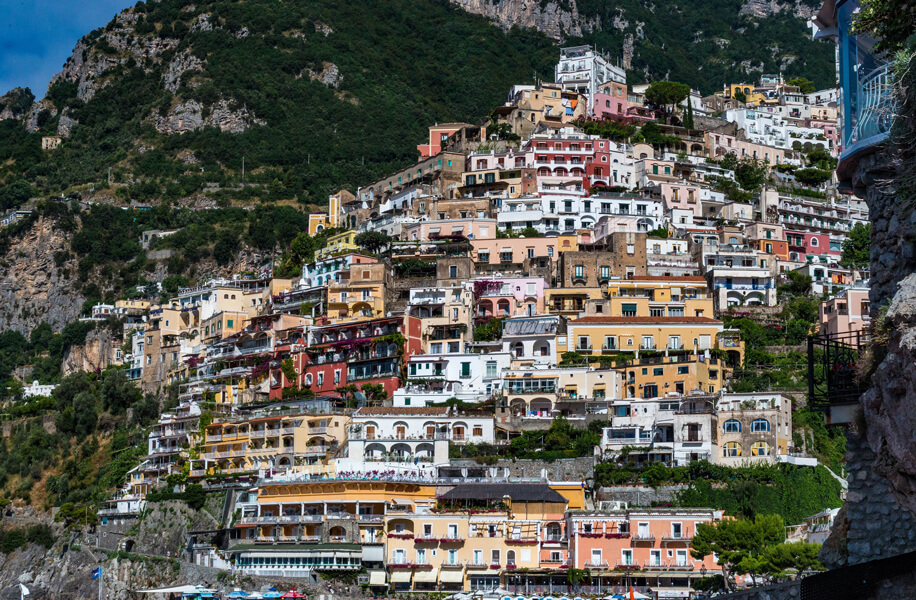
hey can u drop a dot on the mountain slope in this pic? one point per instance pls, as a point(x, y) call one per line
point(172, 98)
point(313, 94)
point(703, 43)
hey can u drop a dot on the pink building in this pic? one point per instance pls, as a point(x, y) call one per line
point(817, 246)
point(682, 196)
point(512, 251)
point(523, 296)
point(846, 313)
point(438, 136)
point(611, 100)
point(653, 542)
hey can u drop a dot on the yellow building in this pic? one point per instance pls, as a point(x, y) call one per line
point(570, 302)
point(665, 354)
point(658, 296)
point(332, 524)
point(478, 535)
point(751, 97)
point(276, 442)
point(338, 244)
point(361, 295)
point(133, 305)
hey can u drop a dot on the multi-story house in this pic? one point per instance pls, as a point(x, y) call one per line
point(447, 316)
point(583, 69)
point(846, 313)
point(831, 278)
point(611, 100)
point(669, 257)
point(291, 526)
point(494, 255)
point(570, 392)
point(412, 434)
point(360, 294)
point(533, 341)
point(482, 537)
point(753, 428)
point(815, 216)
point(266, 443)
point(530, 105)
point(508, 297)
point(652, 546)
point(359, 353)
point(175, 431)
point(719, 144)
point(626, 213)
point(625, 257)
point(468, 377)
point(737, 273)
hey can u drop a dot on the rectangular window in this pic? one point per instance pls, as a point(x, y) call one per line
point(578, 271)
point(452, 271)
point(465, 370)
point(628, 310)
point(491, 369)
point(604, 272)
point(658, 371)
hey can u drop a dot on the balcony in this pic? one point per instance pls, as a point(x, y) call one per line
point(596, 564)
point(644, 537)
point(683, 537)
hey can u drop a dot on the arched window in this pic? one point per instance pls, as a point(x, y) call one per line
point(731, 449)
point(510, 557)
point(760, 425)
point(760, 449)
point(731, 426)
point(519, 349)
point(814, 242)
point(308, 379)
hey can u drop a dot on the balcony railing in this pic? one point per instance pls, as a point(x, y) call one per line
point(875, 104)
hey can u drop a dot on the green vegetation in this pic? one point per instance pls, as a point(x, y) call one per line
point(561, 440)
point(891, 22)
point(403, 65)
point(754, 547)
point(856, 247)
point(94, 445)
point(791, 492)
point(665, 95)
point(805, 85)
point(14, 538)
point(724, 39)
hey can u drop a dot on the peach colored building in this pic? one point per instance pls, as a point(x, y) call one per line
point(682, 196)
point(510, 251)
point(651, 544)
point(469, 228)
point(846, 313)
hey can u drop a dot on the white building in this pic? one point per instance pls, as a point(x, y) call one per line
point(532, 341)
point(582, 69)
point(37, 389)
point(437, 377)
point(412, 434)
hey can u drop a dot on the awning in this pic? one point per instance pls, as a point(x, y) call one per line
point(429, 576)
point(401, 501)
point(181, 589)
point(400, 576)
point(451, 576)
point(377, 577)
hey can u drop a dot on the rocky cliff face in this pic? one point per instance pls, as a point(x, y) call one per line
point(556, 19)
point(32, 287)
point(99, 351)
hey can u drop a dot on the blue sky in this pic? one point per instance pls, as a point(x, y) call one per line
point(37, 36)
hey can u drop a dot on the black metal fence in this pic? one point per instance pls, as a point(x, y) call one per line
point(857, 582)
point(833, 376)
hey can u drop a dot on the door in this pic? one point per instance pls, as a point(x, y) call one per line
point(596, 557)
point(642, 531)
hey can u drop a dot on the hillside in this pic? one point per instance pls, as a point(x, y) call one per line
point(704, 43)
point(174, 97)
point(312, 95)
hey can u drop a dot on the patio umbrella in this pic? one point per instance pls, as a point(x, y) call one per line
point(273, 593)
point(237, 593)
point(293, 595)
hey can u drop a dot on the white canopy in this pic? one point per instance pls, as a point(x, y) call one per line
point(180, 589)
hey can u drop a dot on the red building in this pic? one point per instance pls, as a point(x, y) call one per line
point(357, 353)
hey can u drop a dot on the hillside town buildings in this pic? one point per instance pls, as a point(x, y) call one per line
point(533, 274)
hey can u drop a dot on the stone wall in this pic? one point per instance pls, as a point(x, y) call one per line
point(640, 495)
point(780, 591)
